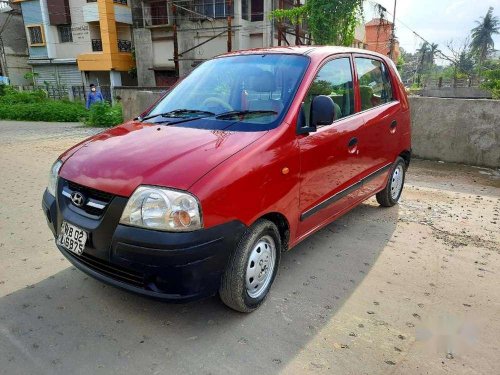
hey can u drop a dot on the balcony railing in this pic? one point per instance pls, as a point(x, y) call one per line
point(121, 2)
point(96, 45)
point(124, 45)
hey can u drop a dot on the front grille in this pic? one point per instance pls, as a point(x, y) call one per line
point(91, 193)
point(96, 201)
point(119, 273)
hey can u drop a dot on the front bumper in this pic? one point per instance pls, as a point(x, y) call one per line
point(163, 265)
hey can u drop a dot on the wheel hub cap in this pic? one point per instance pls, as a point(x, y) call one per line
point(397, 182)
point(260, 266)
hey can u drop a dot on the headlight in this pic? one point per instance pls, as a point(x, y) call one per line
point(53, 174)
point(162, 209)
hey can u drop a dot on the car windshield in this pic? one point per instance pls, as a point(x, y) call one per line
point(246, 92)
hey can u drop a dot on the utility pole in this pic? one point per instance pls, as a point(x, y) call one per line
point(280, 6)
point(176, 43)
point(393, 36)
point(229, 36)
point(297, 28)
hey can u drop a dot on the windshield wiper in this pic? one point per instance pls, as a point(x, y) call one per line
point(176, 112)
point(230, 114)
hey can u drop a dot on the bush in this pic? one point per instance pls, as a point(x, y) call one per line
point(48, 110)
point(9, 95)
point(35, 106)
point(103, 114)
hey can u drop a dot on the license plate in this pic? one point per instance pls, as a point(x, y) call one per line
point(72, 238)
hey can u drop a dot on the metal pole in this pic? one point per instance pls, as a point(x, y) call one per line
point(229, 36)
point(297, 28)
point(393, 37)
point(176, 44)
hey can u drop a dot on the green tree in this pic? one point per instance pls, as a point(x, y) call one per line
point(482, 35)
point(329, 22)
point(492, 77)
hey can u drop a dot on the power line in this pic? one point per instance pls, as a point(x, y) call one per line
point(413, 31)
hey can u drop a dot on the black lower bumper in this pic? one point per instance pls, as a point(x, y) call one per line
point(163, 265)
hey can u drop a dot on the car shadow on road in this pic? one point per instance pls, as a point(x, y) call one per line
point(71, 323)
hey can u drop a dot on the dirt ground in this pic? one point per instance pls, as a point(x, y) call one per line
point(413, 289)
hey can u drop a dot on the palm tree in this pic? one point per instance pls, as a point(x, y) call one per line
point(482, 35)
point(431, 54)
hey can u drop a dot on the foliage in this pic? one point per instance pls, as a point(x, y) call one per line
point(10, 96)
point(103, 114)
point(49, 110)
point(31, 76)
point(330, 22)
point(492, 78)
point(482, 35)
point(400, 64)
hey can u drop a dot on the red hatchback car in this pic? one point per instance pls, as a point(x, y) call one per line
point(243, 159)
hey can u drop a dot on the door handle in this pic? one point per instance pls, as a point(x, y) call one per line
point(393, 125)
point(352, 142)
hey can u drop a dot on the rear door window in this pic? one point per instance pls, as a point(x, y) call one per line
point(374, 82)
point(334, 79)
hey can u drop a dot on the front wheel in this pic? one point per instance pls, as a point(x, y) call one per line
point(252, 267)
point(392, 191)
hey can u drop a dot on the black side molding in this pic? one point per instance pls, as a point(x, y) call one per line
point(343, 193)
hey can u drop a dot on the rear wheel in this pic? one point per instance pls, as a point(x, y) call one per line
point(392, 191)
point(252, 267)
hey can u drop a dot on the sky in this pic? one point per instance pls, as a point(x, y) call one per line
point(438, 21)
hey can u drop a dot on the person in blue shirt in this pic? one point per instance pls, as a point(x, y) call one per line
point(94, 96)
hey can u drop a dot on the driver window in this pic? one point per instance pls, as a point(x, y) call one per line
point(334, 80)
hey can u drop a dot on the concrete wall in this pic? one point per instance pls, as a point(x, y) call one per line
point(15, 48)
point(136, 100)
point(456, 130)
point(456, 92)
point(453, 130)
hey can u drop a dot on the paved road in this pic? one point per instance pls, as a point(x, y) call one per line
point(411, 289)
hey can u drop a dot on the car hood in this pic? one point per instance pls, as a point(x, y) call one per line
point(122, 158)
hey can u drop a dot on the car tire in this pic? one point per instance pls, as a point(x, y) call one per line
point(252, 267)
point(395, 183)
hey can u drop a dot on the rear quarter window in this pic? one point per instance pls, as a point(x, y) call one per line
point(375, 86)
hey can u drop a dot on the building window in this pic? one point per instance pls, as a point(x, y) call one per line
point(213, 8)
point(36, 35)
point(96, 45)
point(121, 2)
point(156, 13)
point(165, 78)
point(257, 10)
point(244, 10)
point(124, 45)
point(65, 34)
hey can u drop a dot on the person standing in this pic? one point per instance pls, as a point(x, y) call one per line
point(94, 96)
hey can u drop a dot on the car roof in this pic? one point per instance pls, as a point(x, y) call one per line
point(313, 51)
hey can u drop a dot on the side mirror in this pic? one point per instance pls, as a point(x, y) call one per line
point(322, 113)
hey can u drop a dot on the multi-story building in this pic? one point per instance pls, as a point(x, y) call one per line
point(378, 38)
point(359, 37)
point(13, 49)
point(75, 42)
point(171, 37)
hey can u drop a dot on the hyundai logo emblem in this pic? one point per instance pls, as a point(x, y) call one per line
point(77, 198)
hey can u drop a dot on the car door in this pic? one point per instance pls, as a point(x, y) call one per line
point(328, 156)
point(380, 111)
